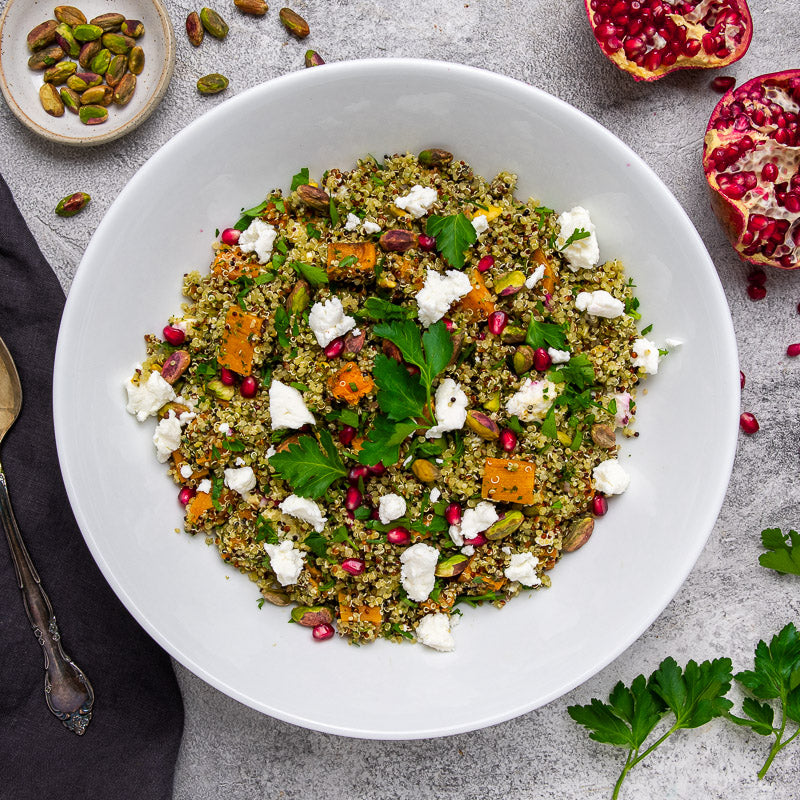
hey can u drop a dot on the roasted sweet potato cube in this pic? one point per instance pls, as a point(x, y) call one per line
point(362, 269)
point(350, 384)
point(507, 480)
point(242, 331)
point(233, 264)
point(198, 506)
point(480, 300)
point(549, 280)
point(347, 613)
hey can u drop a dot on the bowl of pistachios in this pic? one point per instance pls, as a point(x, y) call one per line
point(85, 75)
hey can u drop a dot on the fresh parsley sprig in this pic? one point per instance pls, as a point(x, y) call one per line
point(307, 468)
point(454, 234)
point(575, 236)
point(546, 334)
point(783, 551)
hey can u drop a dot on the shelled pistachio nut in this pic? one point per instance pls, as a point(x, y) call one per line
point(255, 7)
point(452, 566)
point(512, 334)
point(70, 15)
point(42, 59)
point(70, 98)
point(97, 96)
point(493, 403)
point(212, 84)
point(604, 436)
point(88, 52)
point(298, 298)
point(425, 470)
point(59, 73)
point(42, 35)
point(117, 67)
point(133, 28)
point(523, 359)
point(118, 43)
point(81, 81)
point(109, 22)
point(221, 391)
point(482, 425)
point(67, 42)
point(398, 241)
point(177, 363)
point(510, 283)
point(51, 100)
point(294, 23)
point(93, 115)
point(136, 60)
point(87, 33)
point(213, 23)
point(577, 535)
point(313, 59)
point(354, 342)
point(311, 616)
point(314, 197)
point(275, 596)
point(194, 29)
point(505, 526)
point(125, 89)
point(71, 204)
point(100, 62)
point(434, 157)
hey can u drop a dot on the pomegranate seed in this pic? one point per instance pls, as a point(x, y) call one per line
point(477, 540)
point(486, 263)
point(322, 632)
point(453, 514)
point(757, 277)
point(185, 495)
point(508, 440)
point(756, 292)
point(230, 236)
point(722, 83)
point(426, 243)
point(174, 336)
point(599, 505)
point(741, 379)
point(541, 359)
point(374, 514)
point(377, 469)
point(357, 474)
point(355, 566)
point(448, 323)
point(249, 387)
point(798, 308)
point(347, 434)
point(481, 336)
point(748, 423)
point(497, 321)
point(335, 348)
point(412, 370)
point(227, 377)
point(353, 498)
point(793, 350)
point(770, 172)
point(398, 536)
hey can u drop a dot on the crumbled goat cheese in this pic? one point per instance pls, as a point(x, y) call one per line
point(418, 201)
point(532, 400)
point(467, 550)
point(435, 495)
point(167, 437)
point(600, 304)
point(240, 479)
point(646, 355)
point(239, 462)
point(417, 572)
point(390, 508)
point(558, 356)
point(480, 223)
point(523, 569)
point(610, 477)
point(224, 428)
point(583, 253)
point(434, 631)
point(439, 292)
point(534, 277)
point(475, 520)
point(258, 238)
point(287, 407)
point(623, 415)
point(286, 562)
point(670, 342)
point(304, 509)
point(186, 471)
point(204, 486)
point(352, 222)
point(450, 407)
point(145, 399)
point(370, 227)
point(271, 451)
point(328, 321)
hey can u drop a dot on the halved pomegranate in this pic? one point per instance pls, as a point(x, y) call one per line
point(751, 158)
point(650, 38)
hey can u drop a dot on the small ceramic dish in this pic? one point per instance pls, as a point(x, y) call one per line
point(20, 84)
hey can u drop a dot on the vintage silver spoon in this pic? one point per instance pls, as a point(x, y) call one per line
point(68, 693)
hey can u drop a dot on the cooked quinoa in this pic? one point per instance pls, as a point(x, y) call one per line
point(521, 461)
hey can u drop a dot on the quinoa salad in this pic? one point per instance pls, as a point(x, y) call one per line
point(397, 392)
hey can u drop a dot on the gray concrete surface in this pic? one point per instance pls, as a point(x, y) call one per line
point(728, 602)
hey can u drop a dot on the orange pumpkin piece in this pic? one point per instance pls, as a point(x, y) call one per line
point(549, 280)
point(480, 300)
point(238, 342)
point(371, 614)
point(232, 264)
point(363, 267)
point(199, 505)
point(349, 384)
point(507, 480)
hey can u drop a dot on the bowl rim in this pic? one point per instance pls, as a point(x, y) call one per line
point(62, 377)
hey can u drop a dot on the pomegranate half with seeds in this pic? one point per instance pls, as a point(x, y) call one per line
point(751, 158)
point(651, 38)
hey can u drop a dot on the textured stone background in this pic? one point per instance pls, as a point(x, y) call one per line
point(728, 602)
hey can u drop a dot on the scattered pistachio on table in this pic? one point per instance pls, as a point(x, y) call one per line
point(294, 23)
point(213, 23)
point(255, 7)
point(71, 204)
point(313, 59)
point(212, 84)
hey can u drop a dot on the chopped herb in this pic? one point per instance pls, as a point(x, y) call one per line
point(400, 395)
point(261, 601)
point(384, 440)
point(575, 236)
point(783, 551)
point(379, 309)
point(400, 632)
point(264, 277)
point(312, 232)
point(307, 468)
point(646, 330)
point(344, 415)
point(317, 543)
point(301, 387)
point(546, 334)
point(301, 179)
point(233, 446)
point(578, 371)
point(282, 323)
point(515, 424)
point(205, 369)
point(279, 205)
point(662, 352)
point(631, 306)
point(265, 531)
point(348, 261)
point(334, 214)
point(476, 600)
point(549, 427)
point(217, 486)
point(612, 406)
point(316, 276)
point(542, 212)
point(377, 181)
point(453, 234)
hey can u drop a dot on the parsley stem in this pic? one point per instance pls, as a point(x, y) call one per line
point(778, 745)
point(634, 757)
point(625, 770)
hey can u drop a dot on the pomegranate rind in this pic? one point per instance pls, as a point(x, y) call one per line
point(655, 60)
point(740, 141)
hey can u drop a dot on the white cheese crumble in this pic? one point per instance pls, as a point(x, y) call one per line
point(534, 277)
point(439, 292)
point(623, 415)
point(646, 355)
point(258, 238)
point(204, 486)
point(390, 508)
point(304, 509)
point(167, 437)
point(240, 479)
point(352, 222)
point(434, 631)
point(480, 223)
point(435, 495)
point(370, 227)
point(532, 400)
point(287, 407)
point(523, 569)
point(600, 304)
point(286, 562)
point(418, 201)
point(558, 356)
point(239, 462)
point(670, 342)
point(328, 321)
point(417, 572)
point(224, 428)
point(450, 407)
point(145, 399)
point(467, 550)
point(610, 477)
point(271, 451)
point(583, 253)
point(186, 471)
point(475, 520)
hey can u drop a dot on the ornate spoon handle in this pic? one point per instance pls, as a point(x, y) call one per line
point(68, 693)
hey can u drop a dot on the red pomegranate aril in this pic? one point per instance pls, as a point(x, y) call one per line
point(227, 377)
point(174, 336)
point(497, 322)
point(355, 566)
point(508, 440)
point(398, 536)
point(541, 359)
point(357, 474)
point(486, 263)
point(335, 348)
point(722, 83)
point(477, 540)
point(599, 505)
point(185, 495)
point(412, 370)
point(377, 469)
point(756, 292)
point(249, 387)
point(426, 243)
point(748, 423)
point(322, 632)
point(792, 203)
point(741, 379)
point(757, 277)
point(230, 236)
point(793, 350)
point(346, 435)
point(453, 514)
point(449, 324)
point(353, 498)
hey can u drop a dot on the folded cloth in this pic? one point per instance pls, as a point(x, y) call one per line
point(131, 744)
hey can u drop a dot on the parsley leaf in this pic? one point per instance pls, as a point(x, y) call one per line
point(399, 394)
point(379, 309)
point(578, 371)
point(301, 179)
point(453, 234)
point(384, 440)
point(776, 676)
point(546, 334)
point(783, 552)
point(308, 469)
point(315, 275)
point(317, 543)
point(282, 327)
point(575, 236)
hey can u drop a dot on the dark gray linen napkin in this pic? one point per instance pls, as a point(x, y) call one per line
point(130, 747)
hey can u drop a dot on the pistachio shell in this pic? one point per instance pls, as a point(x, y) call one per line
point(510, 283)
point(505, 526)
point(577, 535)
point(482, 425)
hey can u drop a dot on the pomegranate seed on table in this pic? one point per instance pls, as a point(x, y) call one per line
point(722, 83)
point(398, 536)
point(793, 350)
point(227, 377)
point(174, 336)
point(355, 566)
point(453, 514)
point(757, 277)
point(741, 379)
point(249, 387)
point(335, 348)
point(185, 495)
point(756, 292)
point(748, 423)
point(497, 322)
point(230, 236)
point(347, 434)
point(322, 632)
point(599, 505)
point(486, 263)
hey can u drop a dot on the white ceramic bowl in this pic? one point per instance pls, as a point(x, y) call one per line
point(20, 84)
point(203, 612)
